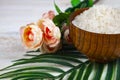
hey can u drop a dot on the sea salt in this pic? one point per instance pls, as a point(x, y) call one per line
point(99, 19)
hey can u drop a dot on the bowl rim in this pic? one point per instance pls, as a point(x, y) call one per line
point(78, 12)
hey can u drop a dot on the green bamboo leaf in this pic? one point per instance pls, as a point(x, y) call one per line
point(75, 2)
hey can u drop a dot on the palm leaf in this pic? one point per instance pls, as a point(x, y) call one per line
point(63, 65)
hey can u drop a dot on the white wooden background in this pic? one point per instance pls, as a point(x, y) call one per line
point(16, 13)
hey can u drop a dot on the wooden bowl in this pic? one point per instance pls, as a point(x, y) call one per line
point(97, 47)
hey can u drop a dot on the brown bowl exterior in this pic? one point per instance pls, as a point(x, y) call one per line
point(97, 47)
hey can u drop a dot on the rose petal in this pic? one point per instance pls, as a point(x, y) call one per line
point(32, 36)
point(56, 33)
point(54, 38)
point(47, 49)
point(40, 24)
point(49, 23)
point(49, 15)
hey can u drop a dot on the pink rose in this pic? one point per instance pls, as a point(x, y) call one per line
point(51, 33)
point(46, 17)
point(49, 15)
point(32, 36)
point(45, 35)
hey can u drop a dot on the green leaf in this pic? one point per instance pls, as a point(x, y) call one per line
point(42, 60)
point(110, 71)
point(57, 8)
point(98, 70)
point(28, 69)
point(34, 74)
point(90, 3)
point(118, 70)
point(27, 74)
point(60, 19)
point(88, 71)
point(80, 72)
point(75, 2)
point(72, 75)
point(63, 64)
point(83, 5)
point(83, 70)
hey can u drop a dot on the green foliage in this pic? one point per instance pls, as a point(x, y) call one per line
point(75, 2)
point(90, 3)
point(57, 8)
point(66, 64)
point(60, 19)
point(81, 4)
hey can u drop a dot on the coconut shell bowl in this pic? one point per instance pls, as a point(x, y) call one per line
point(97, 47)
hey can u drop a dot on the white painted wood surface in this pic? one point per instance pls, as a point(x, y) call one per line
point(16, 13)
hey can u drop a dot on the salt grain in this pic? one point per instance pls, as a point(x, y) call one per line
point(99, 19)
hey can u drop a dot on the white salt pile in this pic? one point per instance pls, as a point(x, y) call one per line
point(99, 19)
